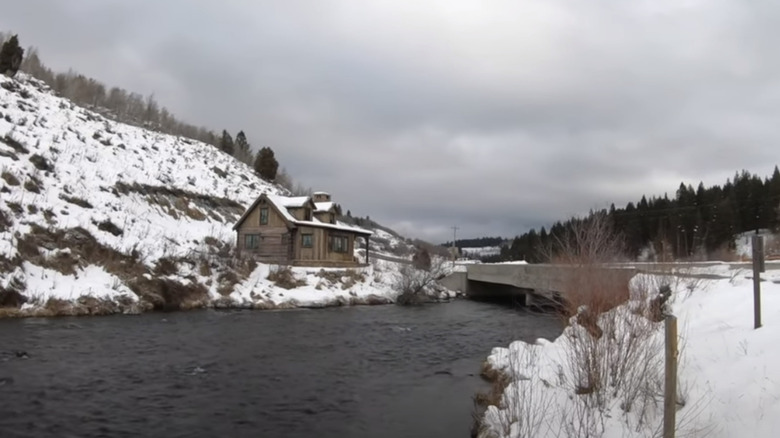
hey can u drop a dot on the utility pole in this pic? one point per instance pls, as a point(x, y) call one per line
point(454, 238)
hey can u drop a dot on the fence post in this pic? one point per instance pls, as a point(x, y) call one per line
point(758, 267)
point(670, 384)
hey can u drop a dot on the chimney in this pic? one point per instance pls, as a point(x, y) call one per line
point(320, 197)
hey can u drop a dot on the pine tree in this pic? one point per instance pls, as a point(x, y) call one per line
point(241, 142)
point(226, 143)
point(11, 56)
point(265, 164)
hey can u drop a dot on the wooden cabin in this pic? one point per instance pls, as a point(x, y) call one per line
point(299, 231)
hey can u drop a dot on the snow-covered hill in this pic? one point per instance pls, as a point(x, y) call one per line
point(101, 217)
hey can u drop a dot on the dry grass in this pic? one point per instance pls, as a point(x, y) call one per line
point(183, 205)
point(165, 266)
point(204, 268)
point(284, 277)
point(168, 295)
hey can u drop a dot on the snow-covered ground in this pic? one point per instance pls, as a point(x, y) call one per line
point(481, 251)
point(729, 381)
point(88, 203)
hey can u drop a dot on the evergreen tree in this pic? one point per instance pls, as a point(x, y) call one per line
point(226, 143)
point(241, 143)
point(265, 164)
point(11, 56)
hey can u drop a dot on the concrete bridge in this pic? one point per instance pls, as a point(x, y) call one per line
point(542, 284)
point(523, 284)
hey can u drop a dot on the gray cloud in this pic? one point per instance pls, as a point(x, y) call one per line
point(495, 116)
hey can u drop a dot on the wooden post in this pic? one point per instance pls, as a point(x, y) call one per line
point(670, 386)
point(758, 267)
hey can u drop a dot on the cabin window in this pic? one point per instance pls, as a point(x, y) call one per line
point(252, 241)
point(307, 240)
point(307, 214)
point(264, 216)
point(339, 243)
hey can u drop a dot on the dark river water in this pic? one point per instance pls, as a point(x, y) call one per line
point(382, 371)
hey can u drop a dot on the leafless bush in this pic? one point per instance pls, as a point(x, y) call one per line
point(33, 185)
point(527, 407)
point(110, 227)
point(10, 178)
point(613, 352)
point(415, 284)
point(83, 203)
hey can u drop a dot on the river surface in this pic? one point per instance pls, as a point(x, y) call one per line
point(381, 371)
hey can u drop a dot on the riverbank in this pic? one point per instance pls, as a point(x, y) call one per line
point(728, 385)
point(93, 291)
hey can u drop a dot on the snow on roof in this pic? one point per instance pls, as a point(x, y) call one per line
point(282, 203)
point(324, 206)
point(293, 202)
point(320, 193)
point(279, 202)
point(340, 226)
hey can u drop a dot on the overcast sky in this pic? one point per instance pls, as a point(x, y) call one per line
point(495, 116)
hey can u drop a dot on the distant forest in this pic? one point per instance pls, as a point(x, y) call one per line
point(696, 224)
point(479, 242)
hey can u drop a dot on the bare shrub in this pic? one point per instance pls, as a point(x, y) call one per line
point(416, 285)
point(612, 351)
point(587, 246)
point(15, 144)
point(11, 296)
point(83, 203)
point(32, 184)
point(41, 163)
point(10, 178)
point(227, 281)
point(5, 221)
point(110, 227)
point(284, 277)
point(15, 207)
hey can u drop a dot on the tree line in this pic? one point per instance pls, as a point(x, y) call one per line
point(135, 109)
point(479, 242)
point(696, 223)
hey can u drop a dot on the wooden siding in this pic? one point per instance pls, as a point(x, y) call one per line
point(275, 238)
point(280, 243)
point(300, 213)
point(325, 216)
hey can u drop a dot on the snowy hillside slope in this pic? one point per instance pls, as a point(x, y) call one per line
point(102, 217)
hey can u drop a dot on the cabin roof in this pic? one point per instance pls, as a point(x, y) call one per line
point(324, 206)
point(282, 203)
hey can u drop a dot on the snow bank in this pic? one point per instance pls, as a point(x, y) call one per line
point(729, 384)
